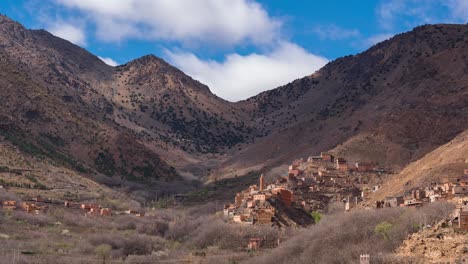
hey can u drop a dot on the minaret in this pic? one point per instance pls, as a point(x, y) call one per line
point(262, 182)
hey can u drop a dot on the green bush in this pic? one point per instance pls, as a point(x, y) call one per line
point(317, 216)
point(383, 229)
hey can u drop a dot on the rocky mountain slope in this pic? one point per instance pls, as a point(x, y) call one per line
point(441, 165)
point(147, 121)
point(391, 104)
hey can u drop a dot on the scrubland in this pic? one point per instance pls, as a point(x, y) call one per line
point(199, 234)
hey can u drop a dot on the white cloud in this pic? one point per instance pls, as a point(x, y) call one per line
point(372, 40)
point(239, 77)
point(459, 9)
point(109, 61)
point(69, 32)
point(410, 13)
point(335, 32)
point(224, 22)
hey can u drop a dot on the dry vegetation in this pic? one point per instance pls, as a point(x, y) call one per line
point(199, 233)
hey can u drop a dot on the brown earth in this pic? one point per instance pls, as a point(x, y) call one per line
point(148, 122)
point(441, 165)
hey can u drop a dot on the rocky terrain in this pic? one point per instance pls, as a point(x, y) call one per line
point(441, 165)
point(437, 244)
point(392, 104)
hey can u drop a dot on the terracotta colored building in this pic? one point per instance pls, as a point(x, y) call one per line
point(463, 220)
point(255, 243)
point(326, 156)
point(286, 197)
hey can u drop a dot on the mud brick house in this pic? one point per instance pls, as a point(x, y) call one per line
point(458, 191)
point(286, 197)
point(106, 212)
point(259, 197)
point(30, 208)
point(418, 194)
point(465, 171)
point(463, 181)
point(412, 203)
point(9, 205)
point(341, 164)
point(394, 201)
point(364, 259)
point(265, 216)
point(463, 220)
point(326, 156)
point(255, 243)
point(364, 166)
point(295, 173)
point(292, 167)
point(229, 210)
point(88, 207)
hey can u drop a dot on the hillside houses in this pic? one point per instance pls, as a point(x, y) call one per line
point(308, 185)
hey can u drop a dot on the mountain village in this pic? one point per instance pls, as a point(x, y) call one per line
point(311, 185)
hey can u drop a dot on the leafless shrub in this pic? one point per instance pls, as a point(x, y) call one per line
point(126, 222)
point(345, 236)
point(33, 219)
point(129, 245)
point(7, 196)
point(153, 228)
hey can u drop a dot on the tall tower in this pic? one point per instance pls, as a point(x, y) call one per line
point(262, 182)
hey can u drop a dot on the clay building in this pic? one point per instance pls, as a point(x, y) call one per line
point(327, 156)
point(255, 243)
point(463, 220)
point(341, 164)
point(394, 201)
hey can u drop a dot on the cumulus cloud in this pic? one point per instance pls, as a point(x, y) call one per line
point(238, 77)
point(109, 61)
point(225, 22)
point(69, 32)
point(335, 32)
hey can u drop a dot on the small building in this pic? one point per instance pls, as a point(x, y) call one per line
point(463, 220)
point(364, 166)
point(463, 182)
point(327, 156)
point(341, 164)
point(418, 194)
point(394, 201)
point(255, 243)
point(259, 197)
point(106, 212)
point(9, 205)
point(265, 216)
point(412, 203)
point(286, 197)
point(364, 259)
point(89, 206)
point(460, 190)
point(294, 173)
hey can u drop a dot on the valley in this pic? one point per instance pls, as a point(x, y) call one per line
point(141, 163)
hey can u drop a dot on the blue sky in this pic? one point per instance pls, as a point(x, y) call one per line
point(237, 47)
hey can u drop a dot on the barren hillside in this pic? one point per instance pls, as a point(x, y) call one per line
point(442, 164)
point(392, 104)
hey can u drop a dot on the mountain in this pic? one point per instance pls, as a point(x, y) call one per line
point(443, 164)
point(148, 122)
point(52, 108)
point(391, 104)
